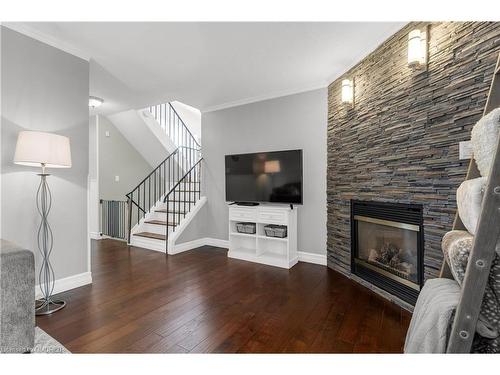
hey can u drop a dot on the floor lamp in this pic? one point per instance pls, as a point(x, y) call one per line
point(45, 150)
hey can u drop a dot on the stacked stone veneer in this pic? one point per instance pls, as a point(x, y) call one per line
point(400, 141)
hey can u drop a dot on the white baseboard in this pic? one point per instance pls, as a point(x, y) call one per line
point(216, 242)
point(95, 236)
point(67, 283)
point(185, 246)
point(207, 241)
point(312, 258)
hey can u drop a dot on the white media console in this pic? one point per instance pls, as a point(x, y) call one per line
point(279, 252)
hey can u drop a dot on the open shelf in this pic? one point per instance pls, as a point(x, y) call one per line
point(242, 234)
point(244, 250)
point(273, 238)
point(274, 251)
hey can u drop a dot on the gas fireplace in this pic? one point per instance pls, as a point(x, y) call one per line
point(387, 246)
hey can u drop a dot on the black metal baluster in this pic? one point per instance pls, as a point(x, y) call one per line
point(180, 187)
point(187, 191)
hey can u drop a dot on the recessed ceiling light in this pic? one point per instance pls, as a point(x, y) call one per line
point(95, 102)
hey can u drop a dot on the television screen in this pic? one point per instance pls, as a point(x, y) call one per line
point(274, 177)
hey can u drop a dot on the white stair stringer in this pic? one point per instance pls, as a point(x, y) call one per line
point(184, 223)
point(154, 215)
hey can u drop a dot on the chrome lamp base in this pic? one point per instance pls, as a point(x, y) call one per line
point(46, 277)
point(47, 307)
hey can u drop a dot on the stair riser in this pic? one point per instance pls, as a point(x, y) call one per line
point(154, 228)
point(175, 208)
point(183, 196)
point(163, 216)
point(147, 243)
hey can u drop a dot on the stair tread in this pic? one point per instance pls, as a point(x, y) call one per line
point(155, 236)
point(159, 222)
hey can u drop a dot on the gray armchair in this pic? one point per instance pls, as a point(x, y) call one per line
point(17, 298)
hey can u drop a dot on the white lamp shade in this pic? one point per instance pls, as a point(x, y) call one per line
point(272, 166)
point(37, 148)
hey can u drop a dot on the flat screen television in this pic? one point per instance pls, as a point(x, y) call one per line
point(274, 177)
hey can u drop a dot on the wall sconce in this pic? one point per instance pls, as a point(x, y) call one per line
point(417, 49)
point(347, 91)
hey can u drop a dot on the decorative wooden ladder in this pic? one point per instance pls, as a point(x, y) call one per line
point(486, 239)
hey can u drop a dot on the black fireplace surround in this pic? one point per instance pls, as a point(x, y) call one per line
point(387, 245)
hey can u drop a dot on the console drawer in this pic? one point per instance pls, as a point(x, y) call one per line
point(271, 216)
point(244, 214)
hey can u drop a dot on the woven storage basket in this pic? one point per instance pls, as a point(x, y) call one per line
point(248, 228)
point(273, 230)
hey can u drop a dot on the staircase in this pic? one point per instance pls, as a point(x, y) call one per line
point(164, 202)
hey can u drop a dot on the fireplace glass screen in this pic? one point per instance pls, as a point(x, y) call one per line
point(388, 247)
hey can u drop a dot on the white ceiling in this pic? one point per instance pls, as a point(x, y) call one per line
point(210, 65)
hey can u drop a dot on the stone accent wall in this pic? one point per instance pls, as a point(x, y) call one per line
point(400, 141)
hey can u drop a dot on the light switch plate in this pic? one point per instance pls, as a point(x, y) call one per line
point(107, 133)
point(117, 178)
point(465, 150)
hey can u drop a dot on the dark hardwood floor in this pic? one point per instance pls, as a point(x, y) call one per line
point(201, 301)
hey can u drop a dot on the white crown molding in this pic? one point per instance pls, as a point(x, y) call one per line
point(268, 96)
point(24, 29)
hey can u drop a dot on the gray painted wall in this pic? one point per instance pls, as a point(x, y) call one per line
point(291, 122)
point(93, 184)
point(117, 157)
point(45, 89)
point(197, 228)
